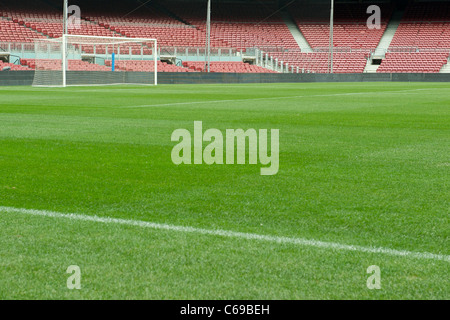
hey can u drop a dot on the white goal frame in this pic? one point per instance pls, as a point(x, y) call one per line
point(64, 48)
point(65, 40)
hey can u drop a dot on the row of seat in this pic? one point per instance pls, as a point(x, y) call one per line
point(356, 36)
point(353, 62)
point(12, 32)
point(137, 65)
point(422, 35)
point(413, 62)
point(13, 67)
point(55, 65)
point(319, 63)
point(226, 67)
point(146, 66)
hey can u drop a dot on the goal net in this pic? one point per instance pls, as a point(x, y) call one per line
point(76, 60)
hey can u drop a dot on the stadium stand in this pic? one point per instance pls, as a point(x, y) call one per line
point(25, 22)
point(422, 41)
point(149, 23)
point(48, 23)
point(424, 26)
point(241, 27)
point(350, 29)
point(420, 44)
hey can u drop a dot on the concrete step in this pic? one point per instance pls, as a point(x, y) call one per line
point(370, 68)
point(389, 33)
point(296, 33)
point(445, 68)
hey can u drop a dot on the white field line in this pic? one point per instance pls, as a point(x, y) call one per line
point(231, 234)
point(269, 98)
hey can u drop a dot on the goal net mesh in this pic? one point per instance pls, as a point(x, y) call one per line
point(88, 60)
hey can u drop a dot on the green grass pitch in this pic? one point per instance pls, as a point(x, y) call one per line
point(363, 164)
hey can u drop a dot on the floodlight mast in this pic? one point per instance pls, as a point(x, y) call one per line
point(64, 42)
point(208, 37)
point(331, 54)
point(65, 12)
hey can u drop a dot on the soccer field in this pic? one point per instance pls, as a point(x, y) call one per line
point(87, 179)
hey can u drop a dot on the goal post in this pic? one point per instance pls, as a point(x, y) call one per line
point(93, 60)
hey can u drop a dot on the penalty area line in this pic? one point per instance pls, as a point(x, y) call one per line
point(230, 234)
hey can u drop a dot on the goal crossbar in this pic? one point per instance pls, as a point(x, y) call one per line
point(112, 38)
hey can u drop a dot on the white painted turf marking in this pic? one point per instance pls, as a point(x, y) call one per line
point(231, 234)
point(267, 98)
